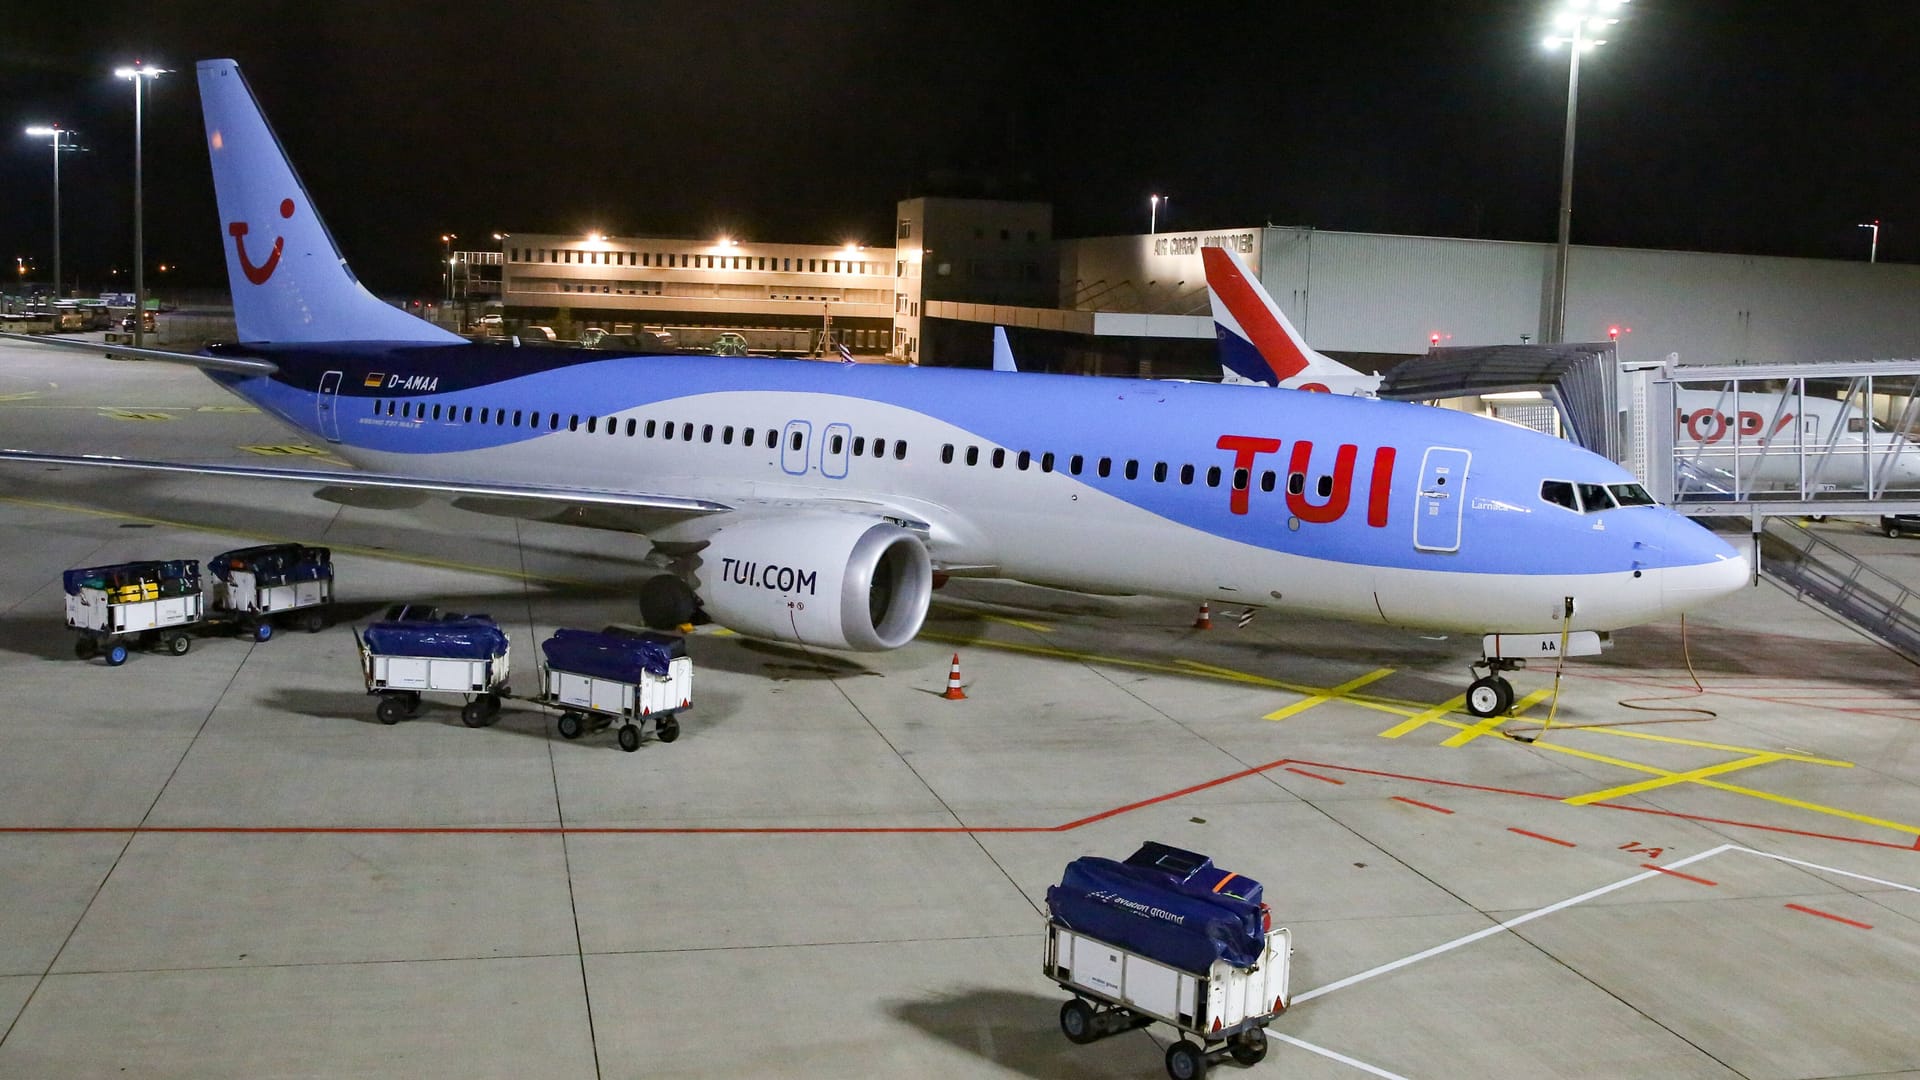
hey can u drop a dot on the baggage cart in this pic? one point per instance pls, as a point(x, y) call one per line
point(468, 656)
point(1222, 1013)
point(632, 677)
point(114, 608)
point(256, 585)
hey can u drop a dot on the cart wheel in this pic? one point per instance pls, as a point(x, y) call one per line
point(116, 654)
point(1248, 1047)
point(178, 644)
point(390, 710)
point(86, 648)
point(629, 738)
point(668, 729)
point(474, 713)
point(1185, 1061)
point(1076, 1022)
point(410, 701)
point(569, 725)
point(263, 631)
point(313, 621)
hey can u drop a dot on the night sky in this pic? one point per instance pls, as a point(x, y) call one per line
point(1717, 125)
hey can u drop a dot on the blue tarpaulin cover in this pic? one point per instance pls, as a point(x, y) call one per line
point(621, 657)
point(182, 574)
point(470, 638)
point(275, 564)
point(1162, 912)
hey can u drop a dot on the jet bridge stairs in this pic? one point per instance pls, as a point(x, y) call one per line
point(1820, 573)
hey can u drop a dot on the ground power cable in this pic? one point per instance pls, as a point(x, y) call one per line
point(1642, 704)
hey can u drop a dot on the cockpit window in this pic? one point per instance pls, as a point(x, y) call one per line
point(1630, 495)
point(1559, 493)
point(1594, 498)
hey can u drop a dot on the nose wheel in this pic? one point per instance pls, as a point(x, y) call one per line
point(1489, 696)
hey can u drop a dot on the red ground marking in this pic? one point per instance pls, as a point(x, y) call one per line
point(1543, 836)
point(1827, 915)
point(1423, 805)
point(1676, 873)
point(1314, 775)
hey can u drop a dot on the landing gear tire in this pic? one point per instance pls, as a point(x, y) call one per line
point(1076, 1022)
point(1489, 696)
point(1248, 1048)
point(666, 602)
point(629, 738)
point(570, 725)
point(1186, 1061)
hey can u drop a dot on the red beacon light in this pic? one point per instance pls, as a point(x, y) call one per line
point(1613, 333)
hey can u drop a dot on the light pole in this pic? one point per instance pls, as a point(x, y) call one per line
point(1574, 26)
point(58, 136)
point(1873, 252)
point(446, 259)
point(139, 73)
point(1153, 212)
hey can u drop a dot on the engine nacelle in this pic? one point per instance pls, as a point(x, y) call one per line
point(836, 581)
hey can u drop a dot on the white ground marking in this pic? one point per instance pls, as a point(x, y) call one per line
point(1335, 1055)
point(1829, 869)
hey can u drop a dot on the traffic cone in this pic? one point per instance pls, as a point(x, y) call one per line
point(1205, 621)
point(954, 693)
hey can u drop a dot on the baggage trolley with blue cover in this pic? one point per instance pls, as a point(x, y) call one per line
point(255, 585)
point(144, 603)
point(1167, 936)
point(467, 655)
point(623, 675)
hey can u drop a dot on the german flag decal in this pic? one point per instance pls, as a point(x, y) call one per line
point(374, 379)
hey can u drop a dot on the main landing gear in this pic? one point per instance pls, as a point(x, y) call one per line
point(1491, 694)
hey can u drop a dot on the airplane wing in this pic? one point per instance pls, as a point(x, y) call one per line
point(237, 365)
point(331, 478)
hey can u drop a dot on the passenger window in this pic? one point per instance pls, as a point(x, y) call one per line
point(632, 424)
point(1595, 498)
point(468, 417)
point(486, 416)
point(389, 408)
point(1186, 474)
point(517, 415)
point(1213, 476)
point(1025, 459)
point(726, 435)
point(795, 440)
point(652, 426)
point(686, 433)
point(553, 422)
point(1160, 472)
point(746, 438)
point(973, 455)
point(593, 424)
point(706, 434)
point(859, 445)
point(1266, 480)
point(1325, 487)
point(436, 412)
point(1240, 479)
point(834, 444)
point(946, 454)
point(899, 449)
point(772, 438)
point(573, 424)
point(1559, 493)
point(999, 457)
point(1046, 462)
point(879, 448)
point(1132, 469)
point(1296, 483)
point(376, 408)
point(1106, 468)
point(1074, 464)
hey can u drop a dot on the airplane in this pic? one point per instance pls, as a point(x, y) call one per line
point(814, 504)
point(1258, 345)
point(1780, 441)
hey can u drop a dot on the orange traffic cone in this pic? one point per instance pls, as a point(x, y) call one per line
point(954, 693)
point(1205, 621)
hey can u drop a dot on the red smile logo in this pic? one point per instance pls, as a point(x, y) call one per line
point(238, 230)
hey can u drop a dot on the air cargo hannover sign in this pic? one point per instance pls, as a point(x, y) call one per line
point(1241, 242)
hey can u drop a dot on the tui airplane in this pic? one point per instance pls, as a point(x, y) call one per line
point(816, 503)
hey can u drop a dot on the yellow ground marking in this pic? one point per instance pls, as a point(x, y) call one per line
point(129, 414)
point(227, 409)
point(1325, 696)
point(25, 395)
point(347, 549)
point(1024, 624)
point(1831, 811)
point(285, 451)
point(1435, 715)
point(1670, 779)
point(1490, 725)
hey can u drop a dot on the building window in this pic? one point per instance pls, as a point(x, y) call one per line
point(906, 228)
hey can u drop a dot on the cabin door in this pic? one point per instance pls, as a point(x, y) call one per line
point(1443, 499)
point(329, 405)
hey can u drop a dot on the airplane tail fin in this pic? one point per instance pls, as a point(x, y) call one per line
point(1002, 352)
point(1257, 343)
point(290, 283)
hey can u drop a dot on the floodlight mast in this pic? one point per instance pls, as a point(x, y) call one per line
point(1575, 25)
point(58, 135)
point(139, 73)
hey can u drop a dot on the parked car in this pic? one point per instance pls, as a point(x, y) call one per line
point(1897, 524)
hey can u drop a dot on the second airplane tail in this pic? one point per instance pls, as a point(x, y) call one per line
point(1258, 344)
point(290, 282)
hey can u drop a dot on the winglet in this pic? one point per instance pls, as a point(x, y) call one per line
point(1002, 352)
point(290, 283)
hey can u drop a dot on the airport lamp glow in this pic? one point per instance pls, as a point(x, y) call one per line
point(1873, 253)
point(54, 132)
point(139, 73)
point(1575, 25)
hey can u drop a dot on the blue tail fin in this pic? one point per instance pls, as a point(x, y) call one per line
point(290, 283)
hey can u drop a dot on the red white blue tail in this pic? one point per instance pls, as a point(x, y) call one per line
point(1258, 344)
point(290, 283)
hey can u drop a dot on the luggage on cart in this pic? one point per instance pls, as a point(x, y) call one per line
point(256, 584)
point(468, 655)
point(1165, 935)
point(149, 602)
point(596, 678)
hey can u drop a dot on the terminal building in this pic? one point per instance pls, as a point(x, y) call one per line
point(1125, 305)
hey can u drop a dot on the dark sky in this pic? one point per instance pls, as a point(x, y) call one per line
point(1722, 125)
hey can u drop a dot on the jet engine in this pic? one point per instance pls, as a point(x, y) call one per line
point(839, 582)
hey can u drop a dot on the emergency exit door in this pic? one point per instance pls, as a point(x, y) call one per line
point(1443, 499)
point(329, 406)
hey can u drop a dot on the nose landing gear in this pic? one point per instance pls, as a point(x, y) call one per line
point(1491, 694)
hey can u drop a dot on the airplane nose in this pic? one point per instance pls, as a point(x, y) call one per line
point(1699, 567)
